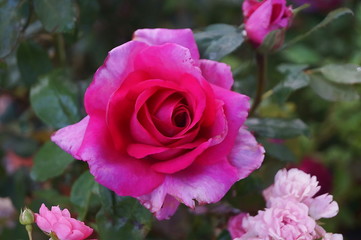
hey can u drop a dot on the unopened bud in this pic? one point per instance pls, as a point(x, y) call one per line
point(26, 217)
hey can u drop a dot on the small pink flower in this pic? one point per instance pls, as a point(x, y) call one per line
point(293, 184)
point(322, 207)
point(263, 17)
point(286, 220)
point(164, 126)
point(60, 223)
point(235, 225)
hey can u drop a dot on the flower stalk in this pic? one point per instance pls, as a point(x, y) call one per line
point(261, 60)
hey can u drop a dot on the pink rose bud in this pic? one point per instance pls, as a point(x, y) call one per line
point(59, 222)
point(263, 17)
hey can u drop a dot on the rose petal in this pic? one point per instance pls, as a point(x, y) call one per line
point(70, 138)
point(183, 37)
point(107, 165)
point(217, 73)
point(110, 75)
point(246, 155)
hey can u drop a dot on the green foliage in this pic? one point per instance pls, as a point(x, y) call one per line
point(277, 128)
point(219, 40)
point(81, 193)
point(54, 100)
point(33, 62)
point(50, 162)
point(341, 73)
point(56, 16)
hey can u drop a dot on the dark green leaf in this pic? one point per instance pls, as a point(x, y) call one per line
point(295, 79)
point(277, 128)
point(218, 40)
point(10, 25)
point(111, 227)
point(54, 100)
point(278, 151)
point(55, 15)
point(342, 73)
point(49, 162)
point(52, 197)
point(327, 20)
point(332, 91)
point(33, 62)
point(81, 193)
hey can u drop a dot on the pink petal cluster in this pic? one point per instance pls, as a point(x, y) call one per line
point(163, 125)
point(60, 223)
point(292, 211)
point(263, 17)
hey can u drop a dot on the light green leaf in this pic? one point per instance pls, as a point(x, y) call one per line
point(54, 100)
point(342, 73)
point(81, 193)
point(327, 20)
point(49, 162)
point(219, 40)
point(332, 91)
point(33, 62)
point(277, 128)
point(295, 79)
point(55, 15)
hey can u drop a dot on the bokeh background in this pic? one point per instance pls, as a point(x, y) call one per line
point(49, 51)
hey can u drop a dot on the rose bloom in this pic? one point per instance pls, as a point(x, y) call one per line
point(286, 220)
point(163, 126)
point(235, 225)
point(263, 17)
point(293, 184)
point(60, 223)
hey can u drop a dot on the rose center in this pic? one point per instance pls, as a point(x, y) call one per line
point(180, 119)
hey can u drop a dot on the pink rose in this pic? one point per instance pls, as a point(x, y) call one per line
point(60, 223)
point(163, 126)
point(235, 225)
point(263, 17)
point(292, 184)
point(286, 220)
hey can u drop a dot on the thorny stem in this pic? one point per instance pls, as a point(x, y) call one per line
point(261, 60)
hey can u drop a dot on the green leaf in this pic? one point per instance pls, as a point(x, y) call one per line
point(277, 128)
point(33, 62)
point(81, 193)
point(54, 100)
point(327, 20)
point(219, 40)
point(10, 25)
point(294, 80)
point(278, 151)
point(49, 162)
point(55, 15)
point(332, 91)
point(342, 73)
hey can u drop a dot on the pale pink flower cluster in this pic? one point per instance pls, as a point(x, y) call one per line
point(60, 223)
point(292, 211)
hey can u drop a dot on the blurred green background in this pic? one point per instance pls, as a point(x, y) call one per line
point(49, 51)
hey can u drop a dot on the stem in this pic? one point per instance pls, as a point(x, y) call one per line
point(29, 229)
point(61, 49)
point(261, 60)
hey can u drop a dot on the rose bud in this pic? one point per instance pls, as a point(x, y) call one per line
point(263, 17)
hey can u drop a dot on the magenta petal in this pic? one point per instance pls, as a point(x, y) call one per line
point(217, 73)
point(42, 223)
point(117, 66)
point(70, 138)
point(158, 36)
point(247, 155)
point(163, 206)
point(107, 164)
